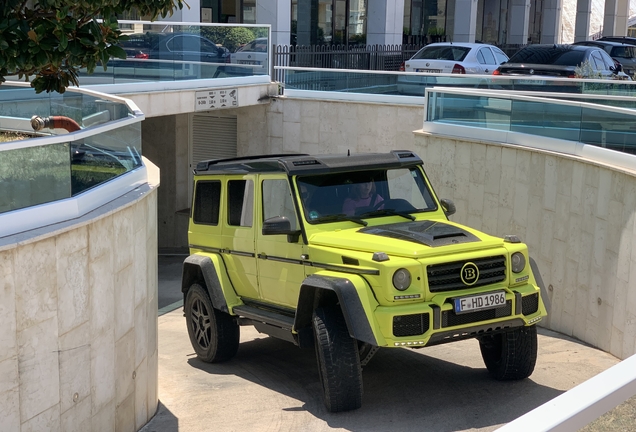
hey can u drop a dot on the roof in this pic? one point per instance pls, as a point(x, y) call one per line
point(296, 164)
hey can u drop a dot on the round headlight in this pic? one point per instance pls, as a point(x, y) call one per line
point(402, 279)
point(518, 262)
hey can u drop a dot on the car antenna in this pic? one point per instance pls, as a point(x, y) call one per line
point(348, 152)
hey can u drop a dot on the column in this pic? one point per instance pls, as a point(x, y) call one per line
point(582, 23)
point(551, 25)
point(385, 22)
point(615, 19)
point(277, 13)
point(519, 18)
point(465, 21)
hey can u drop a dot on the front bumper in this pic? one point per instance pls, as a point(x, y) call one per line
point(430, 323)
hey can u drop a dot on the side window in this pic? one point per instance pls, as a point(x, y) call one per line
point(598, 61)
point(277, 201)
point(240, 195)
point(490, 59)
point(480, 57)
point(175, 44)
point(609, 62)
point(500, 56)
point(207, 199)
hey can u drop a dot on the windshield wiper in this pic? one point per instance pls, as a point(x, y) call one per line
point(389, 212)
point(340, 217)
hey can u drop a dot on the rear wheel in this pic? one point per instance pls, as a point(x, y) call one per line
point(338, 360)
point(214, 334)
point(511, 355)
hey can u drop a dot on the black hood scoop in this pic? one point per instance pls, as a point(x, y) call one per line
point(429, 233)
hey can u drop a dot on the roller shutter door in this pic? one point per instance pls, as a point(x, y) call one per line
point(213, 137)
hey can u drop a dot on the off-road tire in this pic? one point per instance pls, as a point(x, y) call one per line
point(214, 334)
point(511, 355)
point(338, 360)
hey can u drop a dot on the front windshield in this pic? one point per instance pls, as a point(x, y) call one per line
point(354, 196)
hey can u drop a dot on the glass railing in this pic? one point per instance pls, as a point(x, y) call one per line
point(163, 51)
point(415, 84)
point(611, 128)
point(56, 146)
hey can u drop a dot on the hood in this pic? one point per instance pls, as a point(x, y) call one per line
point(411, 239)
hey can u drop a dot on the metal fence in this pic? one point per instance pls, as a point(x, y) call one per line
point(362, 57)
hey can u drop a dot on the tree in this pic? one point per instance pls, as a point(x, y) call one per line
point(51, 40)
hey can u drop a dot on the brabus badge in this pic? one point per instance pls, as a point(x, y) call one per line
point(469, 274)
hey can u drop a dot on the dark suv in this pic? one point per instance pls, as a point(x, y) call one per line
point(624, 53)
point(561, 61)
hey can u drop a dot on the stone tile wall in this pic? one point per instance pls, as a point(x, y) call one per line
point(77, 308)
point(577, 217)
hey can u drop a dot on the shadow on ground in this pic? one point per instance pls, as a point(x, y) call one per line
point(403, 389)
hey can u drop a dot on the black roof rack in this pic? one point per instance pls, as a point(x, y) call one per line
point(294, 164)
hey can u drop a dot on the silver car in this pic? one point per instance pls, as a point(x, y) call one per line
point(456, 58)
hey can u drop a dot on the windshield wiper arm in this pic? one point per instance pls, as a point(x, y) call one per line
point(340, 217)
point(389, 212)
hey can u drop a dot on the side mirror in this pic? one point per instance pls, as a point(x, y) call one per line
point(448, 206)
point(280, 225)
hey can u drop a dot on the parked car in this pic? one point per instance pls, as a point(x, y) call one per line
point(624, 54)
point(178, 46)
point(622, 39)
point(253, 55)
point(457, 58)
point(561, 61)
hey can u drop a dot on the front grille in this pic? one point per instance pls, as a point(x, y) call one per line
point(410, 325)
point(530, 304)
point(451, 319)
point(447, 277)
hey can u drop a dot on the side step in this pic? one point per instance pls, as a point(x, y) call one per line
point(264, 316)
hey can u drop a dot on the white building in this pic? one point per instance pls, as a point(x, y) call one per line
point(392, 21)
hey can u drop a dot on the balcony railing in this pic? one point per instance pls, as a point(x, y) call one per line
point(57, 147)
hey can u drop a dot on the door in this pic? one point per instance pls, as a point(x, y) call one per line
point(238, 235)
point(280, 262)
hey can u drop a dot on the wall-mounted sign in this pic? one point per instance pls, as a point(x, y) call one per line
point(213, 99)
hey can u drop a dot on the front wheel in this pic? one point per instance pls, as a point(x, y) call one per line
point(511, 355)
point(338, 360)
point(214, 334)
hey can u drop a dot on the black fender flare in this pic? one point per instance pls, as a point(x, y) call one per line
point(317, 291)
point(201, 268)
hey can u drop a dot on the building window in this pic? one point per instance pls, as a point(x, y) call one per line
point(425, 20)
point(328, 22)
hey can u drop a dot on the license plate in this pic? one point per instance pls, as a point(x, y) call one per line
point(492, 300)
point(531, 82)
point(429, 70)
point(249, 62)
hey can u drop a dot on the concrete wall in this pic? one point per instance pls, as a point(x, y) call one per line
point(313, 126)
point(78, 313)
point(577, 216)
point(165, 142)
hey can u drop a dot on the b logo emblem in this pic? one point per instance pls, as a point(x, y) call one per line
point(469, 274)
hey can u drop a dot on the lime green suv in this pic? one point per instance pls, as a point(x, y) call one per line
point(347, 254)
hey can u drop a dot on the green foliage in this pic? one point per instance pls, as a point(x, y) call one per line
point(51, 40)
point(233, 37)
point(586, 70)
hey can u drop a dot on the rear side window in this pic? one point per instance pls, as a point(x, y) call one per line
point(207, 198)
point(488, 57)
point(500, 55)
point(240, 202)
point(456, 53)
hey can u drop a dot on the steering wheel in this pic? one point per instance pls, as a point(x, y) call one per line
point(377, 205)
